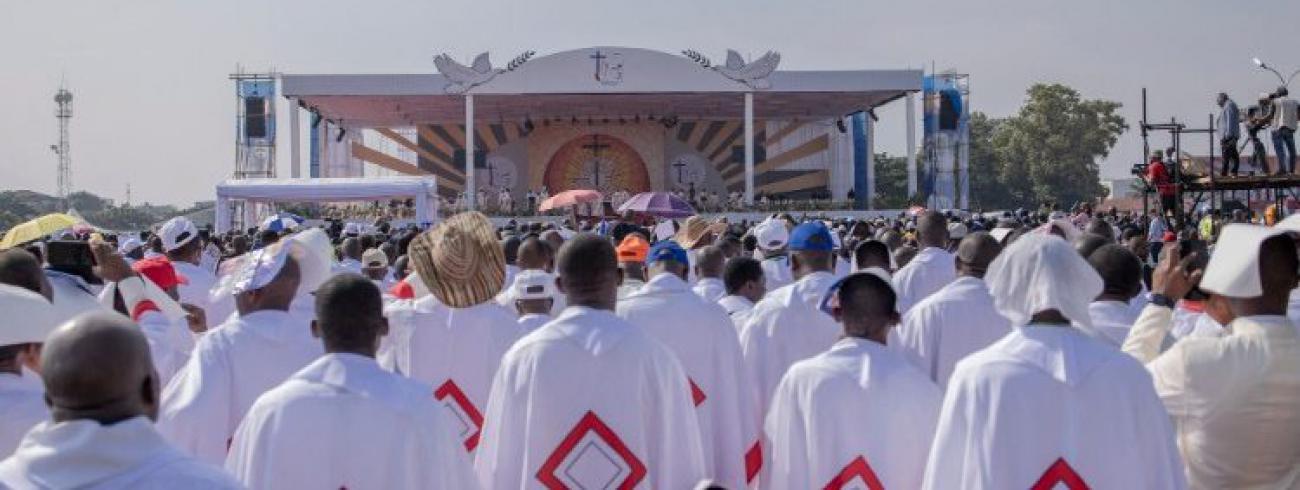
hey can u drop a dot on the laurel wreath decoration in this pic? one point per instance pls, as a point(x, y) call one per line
point(520, 60)
point(695, 56)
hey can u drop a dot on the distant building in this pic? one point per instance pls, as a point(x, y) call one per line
point(1123, 187)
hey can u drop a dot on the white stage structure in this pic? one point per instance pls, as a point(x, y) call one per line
point(600, 85)
point(266, 191)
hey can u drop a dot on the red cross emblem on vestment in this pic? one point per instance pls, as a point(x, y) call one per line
point(1060, 472)
point(591, 456)
point(470, 418)
point(856, 474)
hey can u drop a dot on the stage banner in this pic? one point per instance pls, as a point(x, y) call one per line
point(946, 136)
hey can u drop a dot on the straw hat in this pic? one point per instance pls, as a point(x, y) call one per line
point(460, 260)
point(695, 229)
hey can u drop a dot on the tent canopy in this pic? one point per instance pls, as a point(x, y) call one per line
point(421, 189)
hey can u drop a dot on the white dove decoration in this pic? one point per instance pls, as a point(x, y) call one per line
point(461, 78)
point(753, 74)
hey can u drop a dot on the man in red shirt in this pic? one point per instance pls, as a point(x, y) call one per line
point(1158, 176)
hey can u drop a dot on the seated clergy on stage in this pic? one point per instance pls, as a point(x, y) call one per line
point(590, 400)
point(702, 336)
point(344, 422)
point(103, 394)
point(958, 319)
point(235, 363)
point(787, 326)
point(1235, 398)
point(858, 415)
point(454, 339)
point(1050, 404)
point(932, 267)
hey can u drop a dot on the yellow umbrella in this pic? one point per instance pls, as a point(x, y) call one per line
point(37, 228)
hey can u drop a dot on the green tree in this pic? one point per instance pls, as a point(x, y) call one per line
point(891, 182)
point(986, 189)
point(1048, 151)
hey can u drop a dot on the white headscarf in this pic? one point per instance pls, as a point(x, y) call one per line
point(1041, 272)
point(1235, 272)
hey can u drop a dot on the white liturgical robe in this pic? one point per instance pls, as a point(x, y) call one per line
point(949, 325)
point(890, 406)
point(931, 269)
point(1112, 319)
point(738, 308)
point(710, 288)
point(231, 366)
point(22, 406)
point(704, 340)
point(784, 328)
point(1050, 405)
point(454, 350)
point(197, 292)
point(533, 321)
point(590, 401)
point(345, 422)
point(776, 272)
point(83, 454)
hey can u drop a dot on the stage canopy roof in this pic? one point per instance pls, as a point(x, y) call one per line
point(600, 82)
point(421, 189)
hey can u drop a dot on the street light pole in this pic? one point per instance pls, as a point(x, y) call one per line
point(1285, 80)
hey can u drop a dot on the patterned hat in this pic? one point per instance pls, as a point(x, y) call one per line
point(695, 229)
point(460, 260)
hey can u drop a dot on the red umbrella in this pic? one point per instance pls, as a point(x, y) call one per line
point(570, 198)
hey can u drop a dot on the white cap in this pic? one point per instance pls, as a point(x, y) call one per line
point(771, 234)
point(177, 232)
point(957, 231)
point(374, 258)
point(129, 245)
point(260, 268)
point(28, 317)
point(1000, 234)
point(533, 284)
point(1235, 272)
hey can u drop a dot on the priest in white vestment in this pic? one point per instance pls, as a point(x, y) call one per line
point(958, 319)
point(746, 286)
point(590, 400)
point(1121, 273)
point(184, 248)
point(703, 338)
point(103, 392)
point(534, 294)
point(398, 436)
point(1233, 398)
point(931, 269)
point(453, 339)
point(1050, 404)
point(709, 262)
point(788, 325)
point(236, 362)
point(858, 415)
point(772, 237)
point(28, 319)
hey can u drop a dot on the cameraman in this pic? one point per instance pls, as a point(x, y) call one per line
point(1158, 176)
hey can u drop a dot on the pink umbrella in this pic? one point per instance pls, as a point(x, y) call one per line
point(570, 198)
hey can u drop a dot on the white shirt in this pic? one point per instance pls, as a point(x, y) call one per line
point(1044, 404)
point(890, 405)
point(196, 292)
point(533, 321)
point(22, 406)
point(347, 265)
point(710, 288)
point(931, 269)
point(629, 287)
point(404, 439)
point(704, 340)
point(738, 308)
point(454, 350)
point(231, 366)
point(776, 272)
point(590, 401)
point(1233, 398)
point(949, 325)
point(83, 454)
point(786, 327)
point(1113, 319)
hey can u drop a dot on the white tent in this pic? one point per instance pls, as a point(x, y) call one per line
point(422, 189)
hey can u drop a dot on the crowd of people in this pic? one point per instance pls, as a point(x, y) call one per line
point(1022, 349)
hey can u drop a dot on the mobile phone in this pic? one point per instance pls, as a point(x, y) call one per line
point(71, 257)
point(1198, 247)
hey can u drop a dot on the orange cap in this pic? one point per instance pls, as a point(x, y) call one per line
point(633, 249)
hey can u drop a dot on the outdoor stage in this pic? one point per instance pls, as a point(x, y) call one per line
point(605, 118)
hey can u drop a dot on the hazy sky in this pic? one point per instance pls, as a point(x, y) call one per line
point(154, 107)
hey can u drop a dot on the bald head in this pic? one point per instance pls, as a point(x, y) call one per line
point(932, 230)
point(98, 367)
point(975, 253)
point(1120, 271)
point(535, 254)
point(20, 268)
point(709, 261)
point(587, 267)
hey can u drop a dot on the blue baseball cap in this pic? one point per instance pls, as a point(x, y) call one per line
point(667, 250)
point(811, 236)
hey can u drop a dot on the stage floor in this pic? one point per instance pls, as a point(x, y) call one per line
point(1243, 183)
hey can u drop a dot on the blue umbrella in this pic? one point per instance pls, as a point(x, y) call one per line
point(281, 222)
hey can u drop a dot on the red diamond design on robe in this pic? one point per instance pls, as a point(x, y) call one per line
point(470, 418)
point(753, 461)
point(1060, 472)
point(591, 456)
point(857, 474)
point(696, 393)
